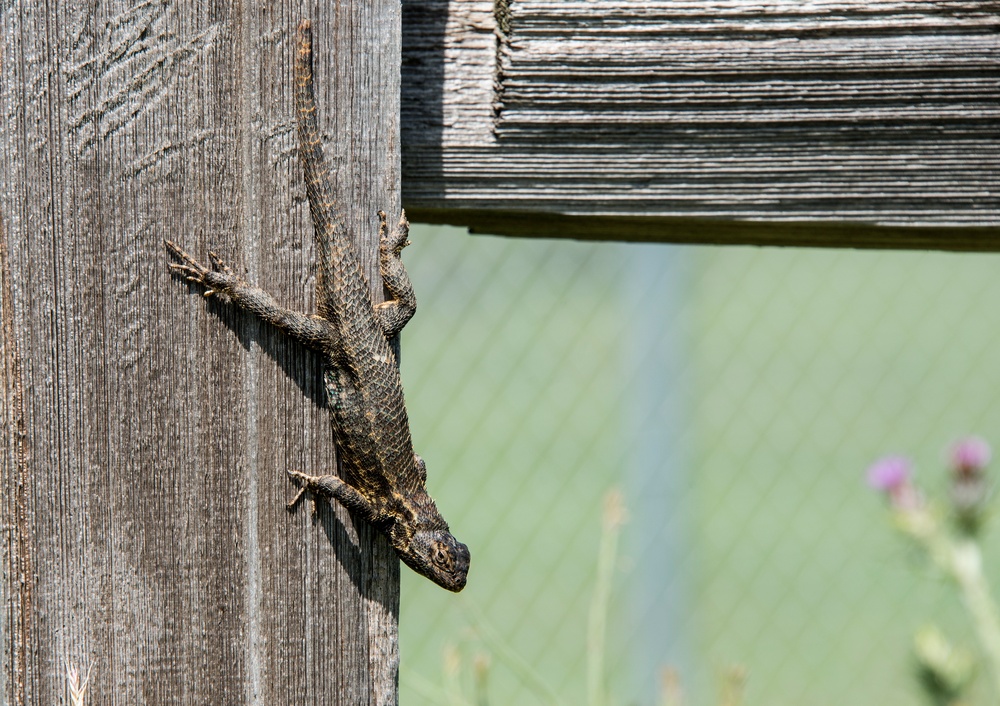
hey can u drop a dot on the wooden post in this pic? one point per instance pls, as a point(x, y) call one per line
point(146, 431)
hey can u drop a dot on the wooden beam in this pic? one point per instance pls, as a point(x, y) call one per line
point(647, 229)
point(715, 121)
point(144, 431)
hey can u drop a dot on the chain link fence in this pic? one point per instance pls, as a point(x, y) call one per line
point(735, 397)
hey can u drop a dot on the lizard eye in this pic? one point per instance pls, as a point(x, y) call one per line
point(441, 557)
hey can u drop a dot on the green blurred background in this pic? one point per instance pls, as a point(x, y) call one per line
point(736, 397)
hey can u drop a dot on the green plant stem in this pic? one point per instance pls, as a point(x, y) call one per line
point(967, 568)
point(480, 671)
point(597, 623)
point(733, 683)
point(452, 664)
point(962, 560)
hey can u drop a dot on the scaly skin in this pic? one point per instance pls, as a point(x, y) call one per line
point(384, 480)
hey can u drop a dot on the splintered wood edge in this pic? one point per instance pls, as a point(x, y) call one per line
point(644, 229)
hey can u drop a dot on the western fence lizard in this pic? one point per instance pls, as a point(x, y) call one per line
point(384, 480)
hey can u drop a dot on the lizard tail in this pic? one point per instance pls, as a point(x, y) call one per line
point(328, 221)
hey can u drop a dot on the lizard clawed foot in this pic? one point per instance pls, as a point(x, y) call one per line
point(396, 239)
point(188, 268)
point(218, 265)
point(303, 482)
point(218, 277)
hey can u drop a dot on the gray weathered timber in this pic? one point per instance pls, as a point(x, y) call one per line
point(145, 442)
point(718, 121)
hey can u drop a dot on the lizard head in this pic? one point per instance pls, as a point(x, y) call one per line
point(436, 554)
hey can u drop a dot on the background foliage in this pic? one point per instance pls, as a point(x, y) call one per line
point(736, 396)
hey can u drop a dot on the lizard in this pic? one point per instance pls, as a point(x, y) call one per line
point(383, 480)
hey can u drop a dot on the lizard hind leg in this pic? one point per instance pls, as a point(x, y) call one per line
point(394, 313)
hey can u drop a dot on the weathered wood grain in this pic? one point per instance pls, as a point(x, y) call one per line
point(146, 430)
point(701, 121)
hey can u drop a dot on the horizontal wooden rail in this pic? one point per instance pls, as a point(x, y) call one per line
point(828, 123)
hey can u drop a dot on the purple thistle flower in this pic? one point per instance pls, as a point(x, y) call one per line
point(889, 474)
point(970, 455)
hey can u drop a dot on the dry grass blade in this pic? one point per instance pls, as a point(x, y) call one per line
point(77, 688)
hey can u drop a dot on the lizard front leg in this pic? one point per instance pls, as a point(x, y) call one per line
point(313, 331)
point(394, 313)
point(332, 487)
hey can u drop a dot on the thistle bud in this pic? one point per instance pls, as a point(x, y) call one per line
point(969, 488)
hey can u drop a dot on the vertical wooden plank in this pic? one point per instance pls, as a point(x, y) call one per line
point(364, 55)
point(146, 431)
